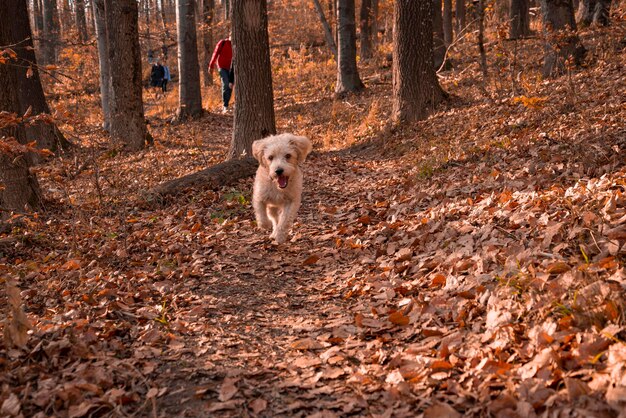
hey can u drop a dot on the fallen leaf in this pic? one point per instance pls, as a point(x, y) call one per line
point(228, 389)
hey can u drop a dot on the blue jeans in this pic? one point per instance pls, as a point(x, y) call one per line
point(226, 90)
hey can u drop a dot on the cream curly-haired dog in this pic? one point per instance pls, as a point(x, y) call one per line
point(278, 182)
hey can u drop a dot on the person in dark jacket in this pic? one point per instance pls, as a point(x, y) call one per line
point(156, 75)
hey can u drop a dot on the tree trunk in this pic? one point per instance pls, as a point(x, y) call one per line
point(166, 33)
point(416, 89)
point(105, 65)
point(602, 12)
point(558, 16)
point(254, 97)
point(128, 125)
point(366, 29)
point(50, 38)
point(208, 7)
point(348, 79)
point(439, 46)
point(38, 20)
point(586, 10)
point(374, 23)
point(31, 93)
point(66, 17)
point(214, 177)
point(20, 189)
point(226, 4)
point(481, 39)
point(447, 22)
point(328, 33)
point(520, 19)
point(189, 97)
point(81, 22)
point(460, 16)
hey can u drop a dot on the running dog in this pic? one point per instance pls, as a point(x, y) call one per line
point(278, 182)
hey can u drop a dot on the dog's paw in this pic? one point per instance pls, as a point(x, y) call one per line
point(280, 238)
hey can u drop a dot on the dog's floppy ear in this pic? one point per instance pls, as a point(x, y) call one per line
point(258, 148)
point(303, 145)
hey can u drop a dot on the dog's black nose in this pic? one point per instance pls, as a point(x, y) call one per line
point(279, 171)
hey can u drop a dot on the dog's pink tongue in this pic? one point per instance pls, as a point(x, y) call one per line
point(282, 181)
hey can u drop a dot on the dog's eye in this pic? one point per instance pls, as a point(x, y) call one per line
point(271, 157)
point(288, 156)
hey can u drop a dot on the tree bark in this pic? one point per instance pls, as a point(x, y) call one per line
point(562, 41)
point(103, 58)
point(366, 29)
point(219, 175)
point(38, 20)
point(447, 22)
point(66, 17)
point(348, 79)
point(208, 6)
point(439, 46)
point(20, 189)
point(416, 90)
point(328, 33)
point(81, 22)
point(31, 94)
point(594, 11)
point(50, 38)
point(128, 125)
point(460, 16)
point(520, 19)
point(585, 12)
point(481, 39)
point(254, 97)
point(189, 97)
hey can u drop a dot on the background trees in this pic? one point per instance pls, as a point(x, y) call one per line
point(562, 41)
point(20, 189)
point(348, 79)
point(128, 125)
point(415, 87)
point(254, 97)
point(190, 100)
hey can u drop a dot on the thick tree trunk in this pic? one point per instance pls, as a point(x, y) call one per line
point(31, 93)
point(366, 29)
point(416, 90)
point(520, 19)
point(105, 66)
point(81, 22)
point(558, 16)
point(50, 38)
point(447, 22)
point(254, 97)
point(20, 189)
point(439, 46)
point(460, 16)
point(220, 175)
point(328, 33)
point(128, 125)
point(208, 6)
point(189, 97)
point(348, 79)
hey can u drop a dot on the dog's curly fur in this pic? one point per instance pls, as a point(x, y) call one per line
point(278, 182)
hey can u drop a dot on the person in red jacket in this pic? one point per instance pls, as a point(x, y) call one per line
point(223, 57)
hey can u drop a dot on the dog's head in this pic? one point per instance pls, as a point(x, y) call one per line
point(281, 155)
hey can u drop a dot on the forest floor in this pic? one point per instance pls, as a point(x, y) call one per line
point(468, 265)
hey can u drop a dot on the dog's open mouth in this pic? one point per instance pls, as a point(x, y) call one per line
point(282, 181)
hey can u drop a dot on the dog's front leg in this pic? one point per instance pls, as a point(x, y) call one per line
point(260, 210)
point(285, 220)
